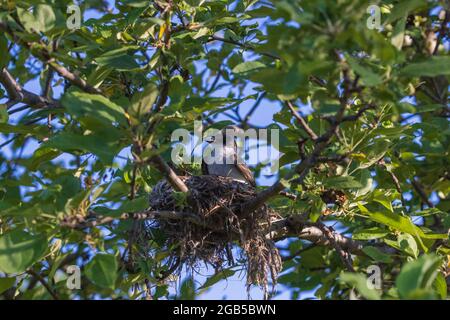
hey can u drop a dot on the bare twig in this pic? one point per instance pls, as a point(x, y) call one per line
point(253, 108)
point(302, 121)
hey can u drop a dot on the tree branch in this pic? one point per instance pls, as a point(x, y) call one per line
point(45, 57)
point(44, 283)
point(302, 121)
point(295, 226)
point(17, 94)
point(243, 46)
point(169, 174)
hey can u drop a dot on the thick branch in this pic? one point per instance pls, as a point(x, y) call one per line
point(17, 94)
point(295, 226)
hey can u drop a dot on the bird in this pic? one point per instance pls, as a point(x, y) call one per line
point(236, 169)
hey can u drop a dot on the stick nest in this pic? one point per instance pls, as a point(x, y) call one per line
point(216, 203)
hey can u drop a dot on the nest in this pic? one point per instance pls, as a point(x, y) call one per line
point(216, 202)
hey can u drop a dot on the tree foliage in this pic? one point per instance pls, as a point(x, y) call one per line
point(365, 137)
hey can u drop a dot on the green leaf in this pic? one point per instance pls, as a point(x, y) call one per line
point(403, 8)
point(398, 34)
point(91, 109)
point(342, 182)
point(102, 270)
point(42, 155)
point(359, 281)
point(384, 200)
point(369, 234)
point(432, 67)
point(407, 243)
point(246, 68)
point(4, 116)
point(187, 290)
point(221, 275)
point(19, 250)
point(142, 102)
point(416, 278)
point(369, 77)
point(41, 19)
point(106, 148)
point(119, 60)
point(377, 255)
point(440, 285)
point(402, 223)
point(4, 57)
point(6, 283)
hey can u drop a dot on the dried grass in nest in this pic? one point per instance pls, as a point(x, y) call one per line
point(217, 202)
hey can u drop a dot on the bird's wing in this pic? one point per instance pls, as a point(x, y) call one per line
point(242, 168)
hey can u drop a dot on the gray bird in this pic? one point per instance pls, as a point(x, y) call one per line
point(234, 168)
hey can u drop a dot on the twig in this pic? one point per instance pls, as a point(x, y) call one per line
point(243, 46)
point(441, 31)
point(253, 108)
point(44, 283)
point(169, 174)
point(45, 57)
point(331, 236)
point(419, 189)
point(302, 121)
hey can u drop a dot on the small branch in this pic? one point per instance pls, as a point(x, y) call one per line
point(254, 107)
point(359, 113)
point(421, 192)
point(442, 31)
point(332, 238)
point(164, 92)
point(169, 174)
point(71, 77)
point(302, 121)
point(44, 283)
point(214, 84)
point(262, 197)
point(48, 84)
point(243, 46)
point(45, 57)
